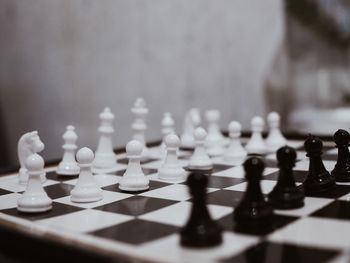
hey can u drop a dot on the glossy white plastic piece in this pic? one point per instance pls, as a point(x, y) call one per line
point(68, 166)
point(105, 157)
point(200, 160)
point(215, 140)
point(171, 169)
point(235, 152)
point(275, 138)
point(86, 189)
point(139, 126)
point(191, 122)
point(28, 144)
point(134, 179)
point(34, 199)
point(256, 144)
point(167, 128)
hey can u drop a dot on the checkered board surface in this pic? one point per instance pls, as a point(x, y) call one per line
point(145, 225)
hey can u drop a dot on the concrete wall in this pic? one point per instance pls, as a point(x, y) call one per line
point(63, 61)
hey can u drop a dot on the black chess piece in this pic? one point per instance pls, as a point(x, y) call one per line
point(253, 208)
point(201, 230)
point(318, 178)
point(286, 195)
point(341, 171)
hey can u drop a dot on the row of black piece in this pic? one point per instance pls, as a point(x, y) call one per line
point(255, 210)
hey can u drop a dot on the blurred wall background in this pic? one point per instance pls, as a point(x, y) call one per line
point(63, 61)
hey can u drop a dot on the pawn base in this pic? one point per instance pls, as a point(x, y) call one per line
point(134, 184)
point(34, 204)
point(68, 169)
point(343, 176)
point(196, 237)
point(82, 196)
point(321, 183)
point(287, 199)
point(171, 174)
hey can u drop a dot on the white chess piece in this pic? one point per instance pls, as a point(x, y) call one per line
point(215, 140)
point(134, 179)
point(192, 121)
point(167, 128)
point(235, 152)
point(171, 170)
point(68, 165)
point(34, 199)
point(139, 125)
point(200, 159)
point(86, 189)
point(105, 157)
point(275, 139)
point(256, 144)
point(28, 144)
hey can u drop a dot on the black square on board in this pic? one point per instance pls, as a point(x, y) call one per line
point(61, 178)
point(57, 210)
point(136, 205)
point(58, 190)
point(276, 222)
point(225, 198)
point(4, 192)
point(337, 209)
point(152, 185)
point(136, 231)
point(335, 192)
point(268, 252)
point(125, 160)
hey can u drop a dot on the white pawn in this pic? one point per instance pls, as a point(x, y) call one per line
point(68, 165)
point(200, 159)
point(105, 157)
point(215, 140)
point(191, 122)
point(34, 199)
point(139, 125)
point(235, 152)
point(256, 144)
point(134, 179)
point(167, 128)
point(275, 139)
point(86, 189)
point(171, 170)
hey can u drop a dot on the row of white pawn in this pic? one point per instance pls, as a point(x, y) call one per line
point(35, 199)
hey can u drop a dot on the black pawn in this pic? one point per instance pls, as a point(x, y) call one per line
point(201, 230)
point(318, 178)
point(341, 171)
point(286, 195)
point(253, 208)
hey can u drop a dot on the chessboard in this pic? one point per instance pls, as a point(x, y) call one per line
point(144, 226)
